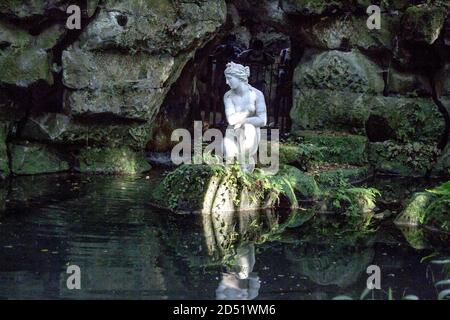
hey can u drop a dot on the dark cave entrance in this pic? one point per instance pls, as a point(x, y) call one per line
point(271, 74)
point(197, 95)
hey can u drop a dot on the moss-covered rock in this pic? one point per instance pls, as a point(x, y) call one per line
point(430, 209)
point(25, 59)
point(59, 128)
point(442, 165)
point(111, 83)
point(414, 213)
point(406, 159)
point(313, 7)
point(32, 158)
point(31, 8)
point(112, 161)
point(301, 155)
point(24, 67)
point(337, 32)
point(337, 147)
point(128, 57)
point(330, 110)
point(409, 84)
point(219, 189)
point(154, 26)
point(305, 186)
point(423, 22)
point(338, 70)
point(335, 176)
point(404, 119)
point(381, 118)
point(4, 160)
point(415, 236)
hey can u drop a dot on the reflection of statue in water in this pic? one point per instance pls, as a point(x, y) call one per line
point(221, 230)
point(245, 110)
point(240, 282)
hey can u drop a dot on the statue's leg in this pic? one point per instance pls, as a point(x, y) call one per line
point(249, 147)
point(230, 146)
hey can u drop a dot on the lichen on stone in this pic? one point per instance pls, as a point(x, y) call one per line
point(120, 160)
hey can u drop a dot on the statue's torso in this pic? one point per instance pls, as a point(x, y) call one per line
point(246, 102)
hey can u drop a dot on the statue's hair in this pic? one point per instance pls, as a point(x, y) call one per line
point(238, 70)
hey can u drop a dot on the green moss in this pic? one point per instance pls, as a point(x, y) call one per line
point(4, 161)
point(415, 236)
point(423, 22)
point(120, 160)
point(429, 208)
point(406, 159)
point(24, 61)
point(338, 148)
point(303, 155)
point(14, 36)
point(414, 212)
point(185, 187)
point(410, 119)
point(25, 66)
point(202, 188)
point(356, 204)
point(36, 159)
point(437, 214)
point(329, 109)
point(315, 7)
point(333, 178)
point(305, 186)
point(60, 128)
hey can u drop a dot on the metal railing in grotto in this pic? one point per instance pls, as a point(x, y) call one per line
point(274, 80)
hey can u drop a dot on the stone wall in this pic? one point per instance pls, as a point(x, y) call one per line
point(385, 85)
point(67, 95)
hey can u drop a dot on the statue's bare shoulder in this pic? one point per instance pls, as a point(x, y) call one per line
point(259, 94)
point(227, 95)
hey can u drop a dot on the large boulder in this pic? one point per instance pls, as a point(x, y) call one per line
point(406, 159)
point(423, 22)
point(328, 110)
point(32, 8)
point(404, 119)
point(125, 86)
point(32, 158)
point(331, 90)
point(381, 118)
point(120, 160)
point(128, 57)
point(338, 70)
point(408, 84)
point(337, 147)
point(26, 59)
point(4, 159)
point(428, 209)
point(221, 189)
point(62, 129)
point(342, 32)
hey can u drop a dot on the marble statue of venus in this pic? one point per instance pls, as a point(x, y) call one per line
point(245, 110)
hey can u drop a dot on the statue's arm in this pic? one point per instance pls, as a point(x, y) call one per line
point(260, 120)
point(233, 117)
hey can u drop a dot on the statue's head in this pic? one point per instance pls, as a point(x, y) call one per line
point(235, 74)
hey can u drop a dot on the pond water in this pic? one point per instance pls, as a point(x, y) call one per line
point(127, 249)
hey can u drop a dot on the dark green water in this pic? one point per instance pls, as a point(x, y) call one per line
point(127, 249)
